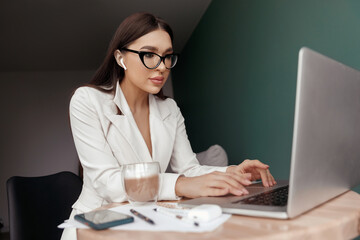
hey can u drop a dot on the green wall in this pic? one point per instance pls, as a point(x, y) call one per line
point(236, 78)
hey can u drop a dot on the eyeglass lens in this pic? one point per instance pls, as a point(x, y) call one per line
point(152, 60)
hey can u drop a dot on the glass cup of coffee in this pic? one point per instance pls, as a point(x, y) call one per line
point(141, 182)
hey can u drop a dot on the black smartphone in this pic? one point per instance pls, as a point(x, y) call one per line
point(103, 219)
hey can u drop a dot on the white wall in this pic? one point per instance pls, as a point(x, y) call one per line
point(35, 133)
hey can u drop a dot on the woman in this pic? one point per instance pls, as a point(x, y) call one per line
point(123, 117)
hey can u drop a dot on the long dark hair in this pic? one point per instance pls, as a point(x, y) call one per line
point(133, 27)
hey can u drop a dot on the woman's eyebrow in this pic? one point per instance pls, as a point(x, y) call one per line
point(152, 48)
point(149, 48)
point(170, 49)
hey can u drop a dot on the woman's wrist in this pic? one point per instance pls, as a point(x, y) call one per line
point(179, 186)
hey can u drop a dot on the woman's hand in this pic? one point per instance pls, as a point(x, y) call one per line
point(212, 184)
point(257, 169)
point(230, 182)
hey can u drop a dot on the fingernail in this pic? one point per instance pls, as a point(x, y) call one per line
point(245, 191)
point(247, 181)
point(239, 192)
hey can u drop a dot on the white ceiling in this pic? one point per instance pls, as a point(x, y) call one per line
point(53, 35)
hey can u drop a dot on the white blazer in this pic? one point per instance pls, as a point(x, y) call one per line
point(105, 140)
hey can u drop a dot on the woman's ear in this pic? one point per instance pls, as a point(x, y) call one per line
point(119, 59)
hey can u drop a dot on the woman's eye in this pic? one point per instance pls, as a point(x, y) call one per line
point(149, 55)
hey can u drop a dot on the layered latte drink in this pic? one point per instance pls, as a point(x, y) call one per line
point(141, 182)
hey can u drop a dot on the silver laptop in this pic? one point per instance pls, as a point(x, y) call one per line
point(325, 158)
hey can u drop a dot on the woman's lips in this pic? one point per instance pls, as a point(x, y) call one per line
point(157, 80)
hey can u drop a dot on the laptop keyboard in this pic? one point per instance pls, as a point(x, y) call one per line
point(275, 197)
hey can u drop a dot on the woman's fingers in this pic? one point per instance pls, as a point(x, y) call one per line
point(271, 178)
point(258, 170)
point(244, 179)
point(232, 182)
point(264, 178)
point(267, 179)
point(220, 188)
point(254, 163)
point(214, 192)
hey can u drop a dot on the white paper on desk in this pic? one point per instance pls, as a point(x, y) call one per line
point(162, 222)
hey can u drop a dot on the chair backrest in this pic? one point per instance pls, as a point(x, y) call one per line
point(37, 205)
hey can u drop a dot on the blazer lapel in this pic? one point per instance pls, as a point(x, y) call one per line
point(162, 130)
point(127, 126)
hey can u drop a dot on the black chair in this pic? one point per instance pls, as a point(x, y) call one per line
point(37, 205)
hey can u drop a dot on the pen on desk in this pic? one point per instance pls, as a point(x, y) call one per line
point(146, 219)
point(171, 214)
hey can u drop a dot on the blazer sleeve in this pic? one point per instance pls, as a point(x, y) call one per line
point(102, 171)
point(183, 159)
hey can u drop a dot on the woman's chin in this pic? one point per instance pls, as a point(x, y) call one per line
point(154, 90)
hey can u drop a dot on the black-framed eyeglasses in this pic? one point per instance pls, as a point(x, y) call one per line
point(152, 60)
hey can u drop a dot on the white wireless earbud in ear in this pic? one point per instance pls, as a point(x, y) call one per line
point(122, 63)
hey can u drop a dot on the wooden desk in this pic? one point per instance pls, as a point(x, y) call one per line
point(336, 219)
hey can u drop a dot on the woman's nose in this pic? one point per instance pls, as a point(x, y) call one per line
point(161, 67)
